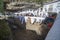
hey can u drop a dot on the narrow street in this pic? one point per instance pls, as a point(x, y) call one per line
point(26, 32)
point(25, 35)
point(22, 34)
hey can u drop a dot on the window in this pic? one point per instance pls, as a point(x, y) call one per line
point(50, 8)
point(58, 6)
point(45, 9)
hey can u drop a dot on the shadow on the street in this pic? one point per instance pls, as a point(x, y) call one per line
point(20, 32)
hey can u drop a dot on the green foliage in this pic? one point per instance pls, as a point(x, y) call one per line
point(4, 29)
point(1, 6)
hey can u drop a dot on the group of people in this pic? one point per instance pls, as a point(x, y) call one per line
point(50, 20)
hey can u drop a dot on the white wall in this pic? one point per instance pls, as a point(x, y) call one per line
point(55, 8)
point(36, 12)
point(33, 11)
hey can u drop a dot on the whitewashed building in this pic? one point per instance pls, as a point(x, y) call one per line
point(36, 12)
point(30, 11)
point(52, 7)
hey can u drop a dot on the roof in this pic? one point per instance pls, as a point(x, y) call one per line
point(21, 5)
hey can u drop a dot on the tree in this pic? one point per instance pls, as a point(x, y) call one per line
point(1, 6)
point(4, 28)
point(41, 2)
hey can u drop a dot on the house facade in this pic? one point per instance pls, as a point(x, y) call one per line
point(52, 7)
point(36, 12)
